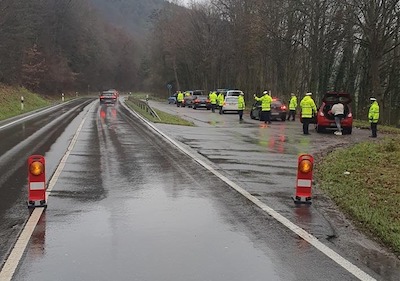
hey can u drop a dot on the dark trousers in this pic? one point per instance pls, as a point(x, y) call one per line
point(306, 123)
point(266, 116)
point(220, 109)
point(374, 129)
point(213, 105)
point(292, 113)
point(240, 114)
point(179, 103)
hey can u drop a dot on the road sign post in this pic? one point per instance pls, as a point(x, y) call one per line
point(36, 181)
point(169, 87)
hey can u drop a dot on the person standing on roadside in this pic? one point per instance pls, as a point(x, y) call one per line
point(221, 99)
point(213, 100)
point(241, 106)
point(292, 107)
point(338, 112)
point(179, 99)
point(266, 101)
point(308, 109)
point(373, 116)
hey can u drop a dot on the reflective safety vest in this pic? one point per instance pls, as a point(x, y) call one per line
point(308, 107)
point(213, 98)
point(293, 103)
point(373, 113)
point(179, 98)
point(241, 104)
point(221, 99)
point(266, 101)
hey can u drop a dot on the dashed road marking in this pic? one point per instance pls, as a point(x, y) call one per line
point(12, 261)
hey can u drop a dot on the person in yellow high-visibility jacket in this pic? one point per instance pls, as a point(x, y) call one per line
point(292, 107)
point(220, 99)
point(308, 110)
point(266, 101)
point(373, 117)
point(213, 100)
point(179, 99)
point(241, 106)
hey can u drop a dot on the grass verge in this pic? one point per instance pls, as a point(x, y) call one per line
point(381, 128)
point(165, 118)
point(11, 101)
point(364, 181)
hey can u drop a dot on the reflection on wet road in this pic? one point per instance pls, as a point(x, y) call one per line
point(129, 206)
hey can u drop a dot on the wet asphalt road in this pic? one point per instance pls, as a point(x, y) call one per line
point(130, 206)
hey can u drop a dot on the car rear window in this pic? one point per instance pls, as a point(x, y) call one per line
point(231, 99)
point(107, 94)
point(202, 97)
point(277, 103)
point(234, 93)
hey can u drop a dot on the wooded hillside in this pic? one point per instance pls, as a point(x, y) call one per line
point(52, 46)
point(279, 45)
point(284, 46)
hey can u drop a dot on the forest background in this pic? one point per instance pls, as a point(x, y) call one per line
point(299, 46)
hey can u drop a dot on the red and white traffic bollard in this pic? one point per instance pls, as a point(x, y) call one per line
point(305, 165)
point(36, 181)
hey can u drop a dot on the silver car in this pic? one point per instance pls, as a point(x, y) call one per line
point(230, 104)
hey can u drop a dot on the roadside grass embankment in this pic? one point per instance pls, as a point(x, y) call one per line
point(11, 101)
point(364, 181)
point(165, 118)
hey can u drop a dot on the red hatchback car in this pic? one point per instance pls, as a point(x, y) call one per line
point(326, 121)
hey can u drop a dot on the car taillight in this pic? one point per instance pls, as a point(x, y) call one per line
point(283, 107)
point(321, 113)
point(208, 100)
point(196, 101)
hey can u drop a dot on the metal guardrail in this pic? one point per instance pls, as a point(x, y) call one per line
point(144, 105)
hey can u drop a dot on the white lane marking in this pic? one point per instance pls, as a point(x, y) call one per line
point(18, 250)
point(30, 116)
point(347, 265)
point(15, 256)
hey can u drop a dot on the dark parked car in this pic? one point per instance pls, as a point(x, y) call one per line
point(108, 97)
point(202, 101)
point(326, 121)
point(189, 100)
point(278, 110)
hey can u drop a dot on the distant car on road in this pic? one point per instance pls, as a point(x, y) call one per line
point(202, 101)
point(172, 99)
point(278, 110)
point(230, 104)
point(108, 97)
